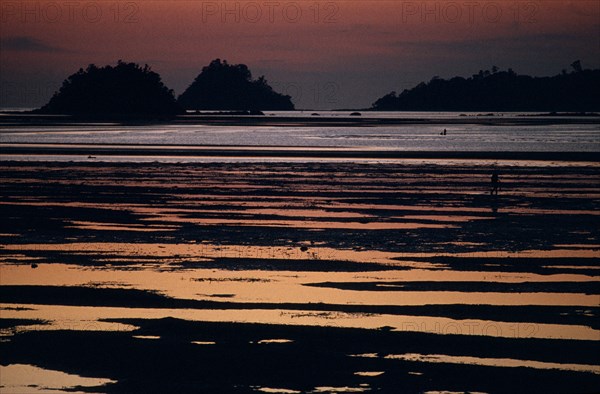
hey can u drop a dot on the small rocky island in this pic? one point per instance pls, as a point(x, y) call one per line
point(230, 87)
point(126, 90)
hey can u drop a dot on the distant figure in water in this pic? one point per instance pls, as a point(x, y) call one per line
point(495, 183)
point(443, 132)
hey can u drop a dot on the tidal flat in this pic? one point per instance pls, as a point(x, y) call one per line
point(389, 276)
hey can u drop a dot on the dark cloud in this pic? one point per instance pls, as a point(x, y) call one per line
point(27, 44)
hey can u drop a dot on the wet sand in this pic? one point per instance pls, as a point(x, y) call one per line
point(101, 152)
point(303, 277)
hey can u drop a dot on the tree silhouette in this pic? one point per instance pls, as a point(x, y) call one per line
point(223, 86)
point(124, 90)
point(501, 91)
point(576, 65)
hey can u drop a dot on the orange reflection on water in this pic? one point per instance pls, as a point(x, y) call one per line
point(163, 254)
point(315, 213)
point(192, 251)
point(494, 362)
point(83, 225)
point(86, 318)
point(442, 218)
point(309, 224)
point(546, 254)
point(276, 287)
point(72, 275)
point(29, 379)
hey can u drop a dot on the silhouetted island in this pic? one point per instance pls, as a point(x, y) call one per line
point(501, 91)
point(125, 90)
point(223, 86)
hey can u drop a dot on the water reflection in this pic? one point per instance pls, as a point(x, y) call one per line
point(301, 251)
point(277, 391)
point(493, 362)
point(29, 379)
point(95, 319)
point(177, 242)
point(289, 287)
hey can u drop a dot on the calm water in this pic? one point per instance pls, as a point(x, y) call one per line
point(468, 137)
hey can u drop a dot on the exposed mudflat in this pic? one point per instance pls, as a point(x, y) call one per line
point(399, 276)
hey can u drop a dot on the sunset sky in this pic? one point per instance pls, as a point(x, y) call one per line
point(325, 54)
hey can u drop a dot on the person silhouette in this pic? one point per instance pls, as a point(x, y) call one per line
point(495, 183)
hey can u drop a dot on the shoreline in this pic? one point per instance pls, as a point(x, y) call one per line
point(282, 152)
point(24, 120)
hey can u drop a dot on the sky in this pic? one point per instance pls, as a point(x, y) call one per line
point(325, 54)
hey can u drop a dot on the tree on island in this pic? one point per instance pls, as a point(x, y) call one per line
point(501, 91)
point(223, 86)
point(126, 90)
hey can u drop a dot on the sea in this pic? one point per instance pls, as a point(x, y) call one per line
point(493, 132)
